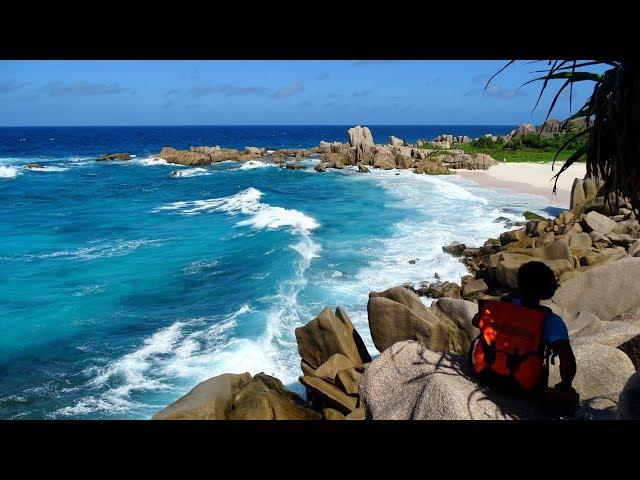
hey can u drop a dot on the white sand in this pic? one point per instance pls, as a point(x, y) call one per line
point(533, 178)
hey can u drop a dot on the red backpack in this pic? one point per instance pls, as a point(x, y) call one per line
point(510, 345)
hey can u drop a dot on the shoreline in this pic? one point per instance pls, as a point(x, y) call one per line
point(530, 178)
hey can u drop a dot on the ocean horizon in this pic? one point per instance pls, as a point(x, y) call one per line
point(121, 288)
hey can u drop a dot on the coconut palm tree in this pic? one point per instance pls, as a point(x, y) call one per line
point(612, 121)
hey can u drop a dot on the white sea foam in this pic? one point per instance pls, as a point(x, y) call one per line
point(186, 348)
point(95, 249)
point(194, 172)
point(247, 202)
point(251, 164)
point(149, 161)
point(47, 169)
point(9, 171)
point(200, 266)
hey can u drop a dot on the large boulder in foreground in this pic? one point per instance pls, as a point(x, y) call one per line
point(266, 398)
point(397, 314)
point(239, 397)
point(601, 373)
point(606, 290)
point(410, 382)
point(206, 401)
point(327, 335)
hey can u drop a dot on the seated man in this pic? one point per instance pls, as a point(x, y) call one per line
point(513, 328)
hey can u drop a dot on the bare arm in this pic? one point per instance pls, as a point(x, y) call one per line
point(567, 362)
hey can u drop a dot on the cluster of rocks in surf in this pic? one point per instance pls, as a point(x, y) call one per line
point(433, 158)
point(422, 371)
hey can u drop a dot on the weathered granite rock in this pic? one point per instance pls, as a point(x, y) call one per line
point(265, 398)
point(403, 161)
point(384, 161)
point(454, 248)
point(114, 156)
point(507, 265)
point(360, 136)
point(329, 369)
point(321, 167)
point(600, 377)
point(206, 401)
point(630, 315)
point(395, 141)
point(596, 222)
point(410, 382)
point(629, 400)
point(551, 127)
point(332, 414)
point(362, 168)
point(523, 129)
point(606, 290)
point(184, 157)
point(322, 394)
point(398, 314)
point(211, 151)
point(326, 335)
point(474, 289)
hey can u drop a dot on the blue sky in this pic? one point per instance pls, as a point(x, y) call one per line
point(271, 92)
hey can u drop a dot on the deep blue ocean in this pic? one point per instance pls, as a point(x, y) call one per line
point(122, 288)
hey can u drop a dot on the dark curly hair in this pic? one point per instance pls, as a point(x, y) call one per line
point(536, 280)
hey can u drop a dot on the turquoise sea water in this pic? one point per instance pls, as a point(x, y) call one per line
point(121, 288)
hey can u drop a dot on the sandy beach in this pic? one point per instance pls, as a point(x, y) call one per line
point(533, 178)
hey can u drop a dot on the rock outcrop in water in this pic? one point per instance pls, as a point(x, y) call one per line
point(114, 156)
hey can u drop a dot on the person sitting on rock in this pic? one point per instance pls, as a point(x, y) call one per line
point(519, 336)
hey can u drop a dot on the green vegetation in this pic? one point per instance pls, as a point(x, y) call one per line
point(530, 147)
point(520, 155)
point(532, 216)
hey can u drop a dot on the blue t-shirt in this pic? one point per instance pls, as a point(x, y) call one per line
point(554, 328)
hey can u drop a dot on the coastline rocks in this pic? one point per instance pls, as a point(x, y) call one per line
point(410, 382)
point(360, 136)
point(454, 248)
point(464, 160)
point(321, 167)
point(600, 377)
point(206, 401)
point(384, 161)
point(238, 397)
point(403, 161)
point(551, 127)
point(606, 290)
point(596, 222)
point(363, 169)
point(31, 165)
point(397, 314)
point(629, 400)
point(474, 289)
point(265, 398)
point(395, 141)
point(184, 157)
point(114, 156)
point(210, 151)
point(332, 342)
point(523, 129)
point(326, 335)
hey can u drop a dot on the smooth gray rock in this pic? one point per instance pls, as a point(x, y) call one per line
point(410, 382)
